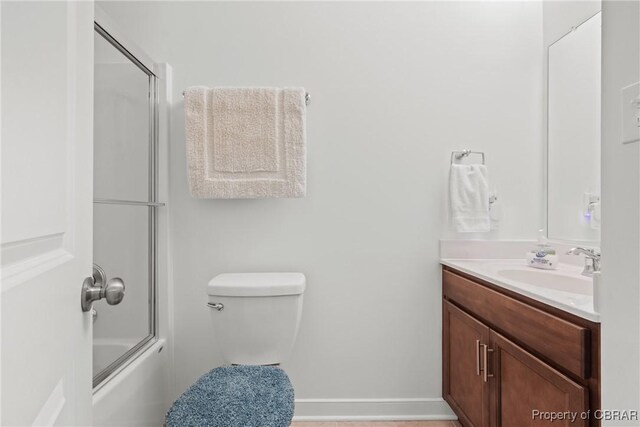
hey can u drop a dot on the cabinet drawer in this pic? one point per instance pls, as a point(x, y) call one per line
point(562, 342)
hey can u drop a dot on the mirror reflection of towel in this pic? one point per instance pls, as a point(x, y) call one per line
point(594, 221)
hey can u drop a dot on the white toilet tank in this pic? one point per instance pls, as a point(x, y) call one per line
point(256, 315)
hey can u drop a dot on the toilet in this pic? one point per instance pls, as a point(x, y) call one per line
point(255, 319)
point(255, 316)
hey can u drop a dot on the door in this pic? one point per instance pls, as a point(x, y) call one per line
point(464, 385)
point(523, 384)
point(46, 233)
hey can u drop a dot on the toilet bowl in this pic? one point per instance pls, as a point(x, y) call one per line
point(256, 316)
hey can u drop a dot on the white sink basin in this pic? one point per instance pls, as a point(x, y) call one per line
point(549, 279)
point(564, 288)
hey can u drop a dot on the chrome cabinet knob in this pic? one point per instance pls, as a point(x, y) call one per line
point(113, 292)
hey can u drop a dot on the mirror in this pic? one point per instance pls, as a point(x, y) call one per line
point(573, 159)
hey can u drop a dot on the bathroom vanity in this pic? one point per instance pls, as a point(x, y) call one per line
point(507, 354)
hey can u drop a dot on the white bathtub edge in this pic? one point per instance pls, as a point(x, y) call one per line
point(119, 375)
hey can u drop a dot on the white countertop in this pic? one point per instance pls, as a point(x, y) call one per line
point(578, 301)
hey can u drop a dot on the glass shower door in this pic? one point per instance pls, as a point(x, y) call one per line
point(124, 202)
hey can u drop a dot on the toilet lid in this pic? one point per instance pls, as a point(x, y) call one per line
point(256, 284)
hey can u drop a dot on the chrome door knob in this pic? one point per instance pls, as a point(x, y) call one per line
point(113, 292)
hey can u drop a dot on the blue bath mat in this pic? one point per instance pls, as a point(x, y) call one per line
point(236, 396)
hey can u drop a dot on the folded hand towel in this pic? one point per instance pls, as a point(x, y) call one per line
point(245, 142)
point(469, 195)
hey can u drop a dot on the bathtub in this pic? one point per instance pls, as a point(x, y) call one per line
point(107, 350)
point(136, 394)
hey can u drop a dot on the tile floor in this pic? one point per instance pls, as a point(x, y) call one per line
point(378, 424)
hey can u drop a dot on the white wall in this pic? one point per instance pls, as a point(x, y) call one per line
point(395, 87)
point(620, 214)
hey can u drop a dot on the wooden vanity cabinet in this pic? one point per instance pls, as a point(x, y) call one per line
point(463, 385)
point(521, 383)
point(499, 367)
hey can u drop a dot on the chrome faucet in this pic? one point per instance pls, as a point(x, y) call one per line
point(591, 260)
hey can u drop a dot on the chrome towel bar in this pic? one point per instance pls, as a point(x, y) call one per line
point(307, 98)
point(457, 155)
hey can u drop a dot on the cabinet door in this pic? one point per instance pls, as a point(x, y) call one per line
point(523, 384)
point(463, 386)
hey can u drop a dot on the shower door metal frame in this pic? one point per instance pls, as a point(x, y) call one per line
point(145, 65)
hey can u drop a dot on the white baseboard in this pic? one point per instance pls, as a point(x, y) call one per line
point(372, 409)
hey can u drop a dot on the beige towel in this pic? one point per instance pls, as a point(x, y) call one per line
point(245, 142)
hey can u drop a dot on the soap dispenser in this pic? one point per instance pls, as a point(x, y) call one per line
point(543, 255)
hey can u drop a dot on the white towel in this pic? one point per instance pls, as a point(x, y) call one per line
point(469, 196)
point(245, 142)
